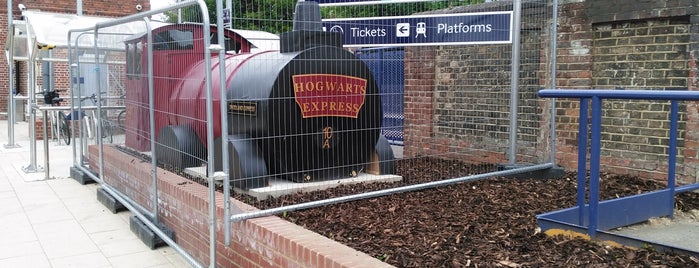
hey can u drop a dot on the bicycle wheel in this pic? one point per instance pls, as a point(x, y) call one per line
point(107, 130)
point(120, 121)
point(64, 129)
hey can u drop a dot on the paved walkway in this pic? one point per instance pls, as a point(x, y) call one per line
point(58, 222)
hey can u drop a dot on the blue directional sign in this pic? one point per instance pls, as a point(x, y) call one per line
point(425, 30)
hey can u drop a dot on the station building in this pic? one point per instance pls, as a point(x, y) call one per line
point(60, 76)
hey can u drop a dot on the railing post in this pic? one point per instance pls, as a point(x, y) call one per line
point(595, 144)
point(582, 159)
point(672, 153)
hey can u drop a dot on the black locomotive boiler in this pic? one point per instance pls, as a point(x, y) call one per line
point(309, 111)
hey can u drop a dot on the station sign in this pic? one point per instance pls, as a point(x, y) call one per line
point(226, 18)
point(425, 30)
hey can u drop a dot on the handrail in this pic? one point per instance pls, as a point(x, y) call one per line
point(595, 97)
point(620, 94)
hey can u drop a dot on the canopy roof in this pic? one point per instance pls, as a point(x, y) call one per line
point(51, 29)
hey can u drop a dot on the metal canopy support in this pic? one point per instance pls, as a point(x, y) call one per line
point(11, 82)
point(31, 92)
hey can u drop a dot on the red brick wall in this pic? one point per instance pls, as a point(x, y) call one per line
point(601, 45)
point(691, 143)
point(574, 72)
point(419, 113)
point(90, 8)
point(261, 242)
point(606, 48)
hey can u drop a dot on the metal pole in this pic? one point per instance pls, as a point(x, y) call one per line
point(46, 147)
point(582, 158)
point(554, 63)
point(10, 80)
point(151, 121)
point(672, 154)
point(209, 134)
point(31, 89)
point(98, 119)
point(224, 123)
point(179, 13)
point(79, 8)
point(514, 79)
point(595, 148)
point(379, 193)
point(74, 81)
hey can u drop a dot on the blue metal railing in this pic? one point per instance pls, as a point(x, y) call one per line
point(659, 203)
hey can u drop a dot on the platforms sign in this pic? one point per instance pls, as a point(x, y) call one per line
point(425, 30)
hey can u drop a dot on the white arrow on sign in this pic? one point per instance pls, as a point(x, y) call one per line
point(402, 29)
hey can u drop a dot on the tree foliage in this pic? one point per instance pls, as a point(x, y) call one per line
point(276, 16)
point(398, 9)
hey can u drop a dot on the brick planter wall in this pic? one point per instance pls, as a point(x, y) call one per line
point(261, 242)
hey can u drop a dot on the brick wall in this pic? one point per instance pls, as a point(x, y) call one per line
point(631, 45)
point(640, 54)
point(574, 70)
point(600, 44)
point(691, 138)
point(457, 98)
point(91, 8)
point(261, 242)
point(418, 99)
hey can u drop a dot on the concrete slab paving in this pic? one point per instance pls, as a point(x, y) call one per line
point(681, 232)
point(57, 222)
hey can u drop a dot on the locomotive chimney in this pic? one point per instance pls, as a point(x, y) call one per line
point(308, 30)
point(307, 17)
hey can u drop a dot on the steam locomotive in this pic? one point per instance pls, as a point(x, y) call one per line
point(308, 111)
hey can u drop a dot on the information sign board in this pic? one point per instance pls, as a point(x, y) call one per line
point(442, 29)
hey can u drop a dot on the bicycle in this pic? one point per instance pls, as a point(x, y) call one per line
point(59, 124)
point(107, 126)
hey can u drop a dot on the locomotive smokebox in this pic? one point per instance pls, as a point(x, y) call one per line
point(313, 110)
point(313, 113)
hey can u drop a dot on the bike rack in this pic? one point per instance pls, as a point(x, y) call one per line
point(45, 110)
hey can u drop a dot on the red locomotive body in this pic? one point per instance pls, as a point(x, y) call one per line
point(308, 111)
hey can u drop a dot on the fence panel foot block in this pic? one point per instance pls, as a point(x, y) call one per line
point(109, 201)
point(147, 235)
point(80, 176)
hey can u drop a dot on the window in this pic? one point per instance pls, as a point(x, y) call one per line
point(173, 39)
point(133, 60)
point(231, 45)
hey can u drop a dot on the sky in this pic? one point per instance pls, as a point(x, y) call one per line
point(155, 4)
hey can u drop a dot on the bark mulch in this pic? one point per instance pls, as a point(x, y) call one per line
point(485, 223)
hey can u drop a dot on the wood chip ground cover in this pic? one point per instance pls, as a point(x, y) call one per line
point(486, 223)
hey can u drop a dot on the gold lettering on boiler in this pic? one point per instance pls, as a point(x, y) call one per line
point(327, 135)
point(329, 95)
point(242, 107)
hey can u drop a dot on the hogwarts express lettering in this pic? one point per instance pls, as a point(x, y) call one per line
point(329, 95)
